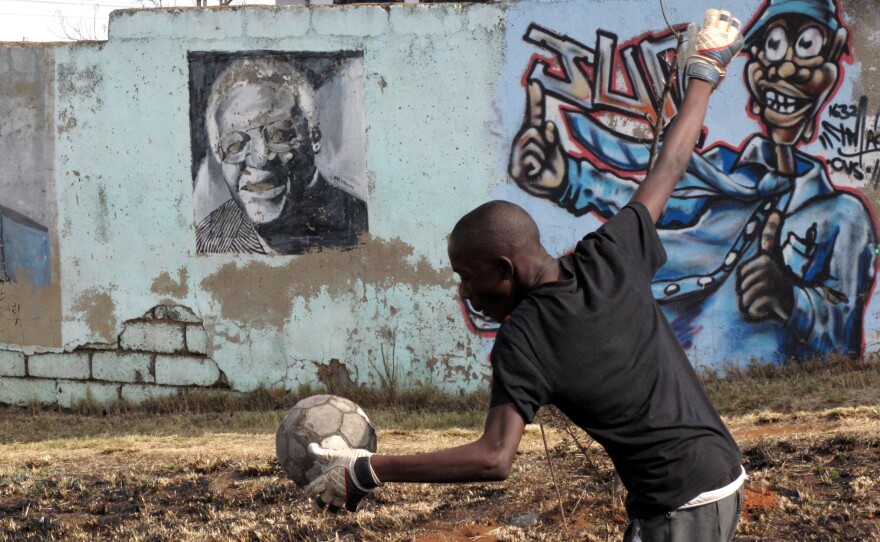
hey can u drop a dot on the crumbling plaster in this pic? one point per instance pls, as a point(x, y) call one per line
point(125, 196)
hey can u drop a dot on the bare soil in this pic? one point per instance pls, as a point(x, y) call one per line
point(814, 476)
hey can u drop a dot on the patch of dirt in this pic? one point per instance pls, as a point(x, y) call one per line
point(787, 429)
point(758, 501)
point(470, 533)
point(812, 477)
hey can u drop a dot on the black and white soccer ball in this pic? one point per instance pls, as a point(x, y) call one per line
point(332, 421)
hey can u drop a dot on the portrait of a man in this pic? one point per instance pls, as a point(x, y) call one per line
point(259, 186)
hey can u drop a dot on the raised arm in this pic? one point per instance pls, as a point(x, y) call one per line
point(654, 191)
point(709, 52)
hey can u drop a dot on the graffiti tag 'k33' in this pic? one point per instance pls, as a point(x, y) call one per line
point(855, 139)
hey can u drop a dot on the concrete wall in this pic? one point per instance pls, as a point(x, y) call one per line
point(30, 309)
point(134, 174)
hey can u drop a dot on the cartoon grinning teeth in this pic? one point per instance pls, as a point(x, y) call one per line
point(781, 103)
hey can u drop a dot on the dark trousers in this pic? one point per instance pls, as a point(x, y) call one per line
point(713, 522)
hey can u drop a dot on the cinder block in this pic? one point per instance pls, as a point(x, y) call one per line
point(186, 371)
point(193, 24)
point(69, 365)
point(485, 17)
point(425, 19)
point(137, 24)
point(358, 21)
point(69, 393)
point(21, 391)
point(177, 313)
point(11, 363)
point(122, 367)
point(196, 340)
point(160, 337)
point(265, 22)
point(138, 393)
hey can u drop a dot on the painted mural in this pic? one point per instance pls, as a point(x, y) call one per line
point(278, 151)
point(24, 249)
point(768, 258)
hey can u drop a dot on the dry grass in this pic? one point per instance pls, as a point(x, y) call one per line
point(822, 383)
point(202, 468)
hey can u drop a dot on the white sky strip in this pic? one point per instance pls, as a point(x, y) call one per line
point(41, 20)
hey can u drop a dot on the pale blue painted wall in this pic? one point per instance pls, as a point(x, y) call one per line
point(444, 98)
point(125, 186)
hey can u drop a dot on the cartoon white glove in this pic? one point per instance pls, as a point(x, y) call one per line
point(710, 49)
point(348, 477)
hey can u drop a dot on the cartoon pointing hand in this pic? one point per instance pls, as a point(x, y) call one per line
point(762, 288)
point(536, 160)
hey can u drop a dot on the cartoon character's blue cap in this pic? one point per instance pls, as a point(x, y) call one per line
point(823, 11)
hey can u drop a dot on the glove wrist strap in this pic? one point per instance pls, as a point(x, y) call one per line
point(364, 474)
point(704, 71)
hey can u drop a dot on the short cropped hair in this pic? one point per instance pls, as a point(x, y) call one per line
point(497, 225)
point(251, 70)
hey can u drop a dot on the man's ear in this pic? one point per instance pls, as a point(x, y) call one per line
point(316, 138)
point(838, 45)
point(505, 266)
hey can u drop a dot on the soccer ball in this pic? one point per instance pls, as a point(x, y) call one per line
point(332, 421)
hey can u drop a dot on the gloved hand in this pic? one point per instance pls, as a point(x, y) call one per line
point(348, 477)
point(710, 49)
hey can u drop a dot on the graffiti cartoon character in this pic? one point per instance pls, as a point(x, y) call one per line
point(766, 258)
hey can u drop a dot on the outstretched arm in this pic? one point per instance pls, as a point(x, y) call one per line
point(488, 458)
point(709, 52)
point(351, 474)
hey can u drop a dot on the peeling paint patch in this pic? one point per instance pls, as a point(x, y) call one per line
point(98, 309)
point(66, 120)
point(102, 225)
point(259, 294)
point(80, 82)
point(334, 375)
point(30, 316)
point(165, 285)
point(864, 19)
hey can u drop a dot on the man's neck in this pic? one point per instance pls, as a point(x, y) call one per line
point(549, 270)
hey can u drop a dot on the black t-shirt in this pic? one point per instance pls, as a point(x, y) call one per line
point(598, 347)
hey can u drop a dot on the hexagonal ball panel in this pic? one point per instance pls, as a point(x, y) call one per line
point(330, 420)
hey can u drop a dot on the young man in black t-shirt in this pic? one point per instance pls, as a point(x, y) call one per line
point(584, 333)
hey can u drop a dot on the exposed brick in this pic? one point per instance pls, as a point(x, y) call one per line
point(69, 365)
point(177, 313)
point(138, 393)
point(21, 391)
point(196, 340)
point(186, 371)
point(69, 392)
point(122, 367)
point(11, 363)
point(152, 337)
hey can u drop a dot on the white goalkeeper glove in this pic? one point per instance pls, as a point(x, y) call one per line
point(710, 49)
point(348, 477)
